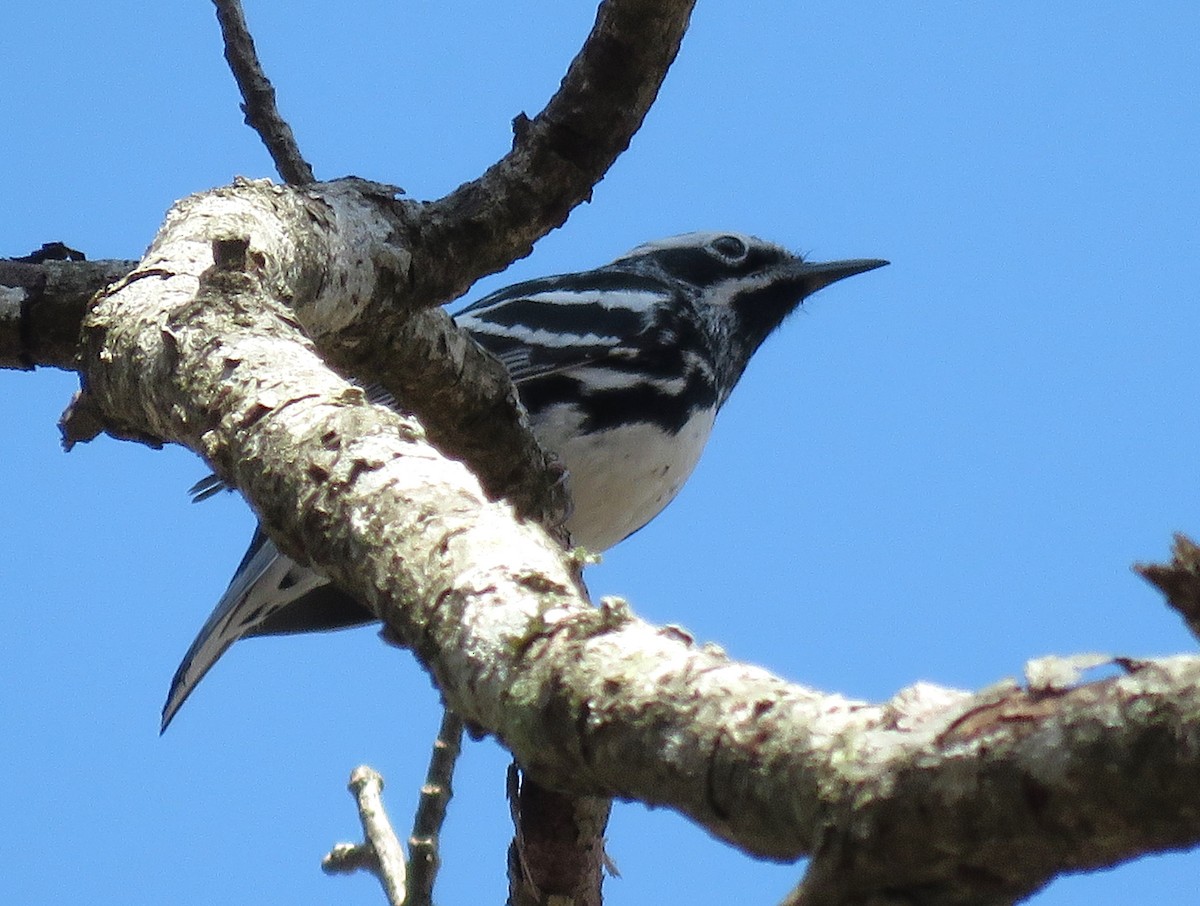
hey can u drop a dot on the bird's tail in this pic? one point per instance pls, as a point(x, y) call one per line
point(266, 586)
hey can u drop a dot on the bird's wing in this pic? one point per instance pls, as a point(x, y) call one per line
point(550, 325)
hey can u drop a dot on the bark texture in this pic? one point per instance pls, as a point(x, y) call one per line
point(42, 307)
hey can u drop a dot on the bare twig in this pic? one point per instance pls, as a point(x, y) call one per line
point(380, 853)
point(423, 856)
point(1179, 580)
point(557, 156)
point(347, 858)
point(258, 96)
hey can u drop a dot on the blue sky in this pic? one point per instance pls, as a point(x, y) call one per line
point(933, 472)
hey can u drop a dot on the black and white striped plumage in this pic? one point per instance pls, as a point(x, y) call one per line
point(622, 370)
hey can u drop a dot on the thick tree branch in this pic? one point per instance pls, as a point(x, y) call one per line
point(329, 247)
point(258, 96)
point(1017, 787)
point(42, 306)
point(936, 791)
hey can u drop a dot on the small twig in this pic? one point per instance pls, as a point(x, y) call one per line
point(258, 96)
point(380, 853)
point(423, 857)
point(347, 858)
point(558, 156)
point(51, 251)
point(1178, 580)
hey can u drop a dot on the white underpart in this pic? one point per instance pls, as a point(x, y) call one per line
point(621, 478)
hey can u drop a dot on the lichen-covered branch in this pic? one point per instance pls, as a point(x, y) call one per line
point(326, 249)
point(1012, 787)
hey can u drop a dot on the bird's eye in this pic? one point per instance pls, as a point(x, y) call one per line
point(730, 248)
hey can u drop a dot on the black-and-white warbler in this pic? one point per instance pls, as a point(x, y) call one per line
point(622, 370)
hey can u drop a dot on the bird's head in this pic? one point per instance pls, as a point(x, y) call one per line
point(742, 287)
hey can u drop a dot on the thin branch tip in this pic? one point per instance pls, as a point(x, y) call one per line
point(380, 851)
point(258, 96)
point(1179, 580)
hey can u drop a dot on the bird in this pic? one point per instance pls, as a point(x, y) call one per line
point(621, 370)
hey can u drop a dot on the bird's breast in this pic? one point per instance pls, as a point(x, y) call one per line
point(622, 477)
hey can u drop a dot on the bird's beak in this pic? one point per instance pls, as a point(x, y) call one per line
point(816, 275)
